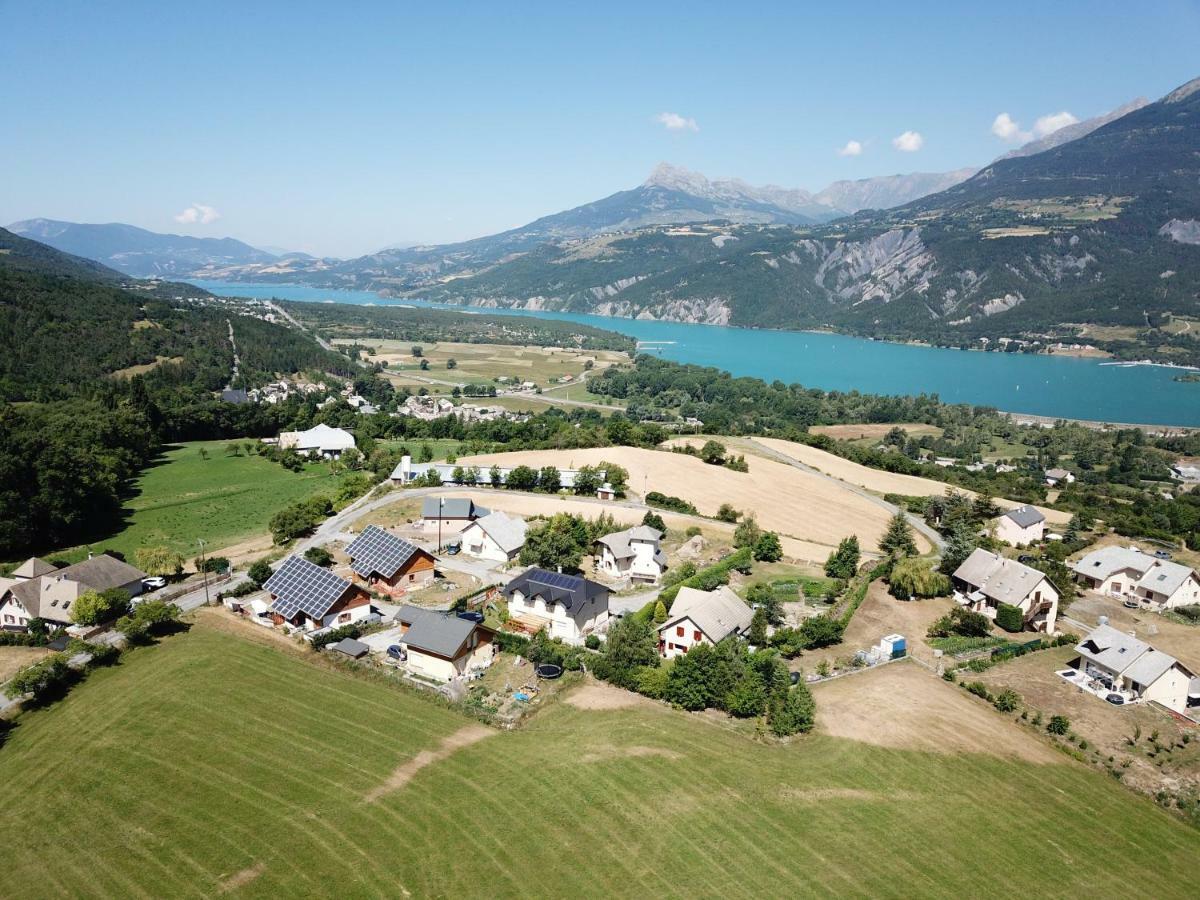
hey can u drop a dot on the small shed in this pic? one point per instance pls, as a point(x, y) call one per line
point(350, 648)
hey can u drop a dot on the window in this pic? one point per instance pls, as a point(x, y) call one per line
point(697, 636)
point(679, 631)
point(344, 617)
point(9, 619)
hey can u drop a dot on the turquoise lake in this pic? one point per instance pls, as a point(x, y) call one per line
point(1041, 385)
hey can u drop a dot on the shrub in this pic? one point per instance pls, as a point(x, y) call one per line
point(1058, 725)
point(259, 572)
point(158, 561)
point(713, 453)
point(336, 634)
point(98, 607)
point(650, 681)
point(748, 697)
point(1009, 617)
point(747, 533)
point(768, 548)
point(979, 689)
point(675, 504)
point(726, 513)
point(654, 520)
point(592, 642)
point(319, 556)
point(913, 577)
point(962, 622)
point(42, 679)
point(794, 712)
point(1007, 700)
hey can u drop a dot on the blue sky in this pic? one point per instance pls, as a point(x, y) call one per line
point(342, 128)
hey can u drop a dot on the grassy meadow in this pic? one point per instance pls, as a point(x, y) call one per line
point(221, 499)
point(212, 764)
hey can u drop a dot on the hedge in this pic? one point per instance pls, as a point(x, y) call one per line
point(859, 592)
point(1009, 617)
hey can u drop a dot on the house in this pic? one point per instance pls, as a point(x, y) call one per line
point(1128, 572)
point(702, 617)
point(496, 536)
point(308, 597)
point(1058, 476)
point(985, 580)
point(349, 648)
point(38, 590)
point(606, 492)
point(441, 646)
point(449, 515)
point(1131, 667)
point(319, 441)
point(633, 553)
point(566, 606)
point(384, 562)
point(1021, 526)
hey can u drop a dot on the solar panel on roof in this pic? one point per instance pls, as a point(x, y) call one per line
point(377, 550)
point(302, 586)
point(555, 579)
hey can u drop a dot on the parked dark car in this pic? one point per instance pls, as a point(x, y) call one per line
point(1025, 558)
point(395, 652)
point(453, 549)
point(1161, 554)
point(471, 616)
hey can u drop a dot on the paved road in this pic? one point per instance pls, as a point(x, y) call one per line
point(916, 521)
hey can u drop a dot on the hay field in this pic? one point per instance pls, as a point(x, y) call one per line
point(883, 482)
point(782, 497)
point(212, 765)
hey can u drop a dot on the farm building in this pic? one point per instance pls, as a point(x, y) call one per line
point(442, 646)
point(449, 515)
point(39, 590)
point(702, 617)
point(387, 563)
point(1133, 668)
point(986, 580)
point(308, 597)
point(1021, 526)
point(496, 536)
point(407, 471)
point(320, 440)
point(1128, 572)
point(566, 606)
point(634, 553)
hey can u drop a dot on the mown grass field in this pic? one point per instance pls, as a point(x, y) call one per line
point(211, 764)
point(222, 499)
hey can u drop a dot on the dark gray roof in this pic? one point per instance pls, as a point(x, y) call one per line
point(301, 586)
point(569, 590)
point(238, 397)
point(431, 631)
point(1025, 516)
point(101, 572)
point(352, 648)
point(379, 551)
point(451, 508)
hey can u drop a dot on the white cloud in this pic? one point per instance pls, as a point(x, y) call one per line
point(852, 148)
point(909, 142)
point(675, 122)
point(1007, 128)
point(197, 214)
point(1051, 123)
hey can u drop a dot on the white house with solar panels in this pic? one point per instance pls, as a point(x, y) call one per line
point(308, 597)
point(384, 562)
point(565, 606)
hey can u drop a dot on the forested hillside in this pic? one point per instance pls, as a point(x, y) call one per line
point(95, 377)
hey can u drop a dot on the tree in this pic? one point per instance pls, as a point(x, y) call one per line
point(768, 547)
point(587, 481)
point(98, 607)
point(747, 533)
point(494, 476)
point(233, 449)
point(821, 631)
point(960, 543)
point(1007, 700)
point(558, 542)
point(748, 697)
point(984, 508)
point(259, 572)
point(452, 363)
point(726, 513)
point(898, 539)
point(319, 556)
point(522, 478)
point(630, 645)
point(42, 678)
point(660, 612)
point(424, 365)
point(418, 351)
point(913, 577)
point(762, 596)
point(843, 562)
point(654, 520)
point(549, 480)
point(687, 681)
point(961, 622)
point(216, 564)
point(162, 561)
point(713, 453)
point(426, 453)
point(758, 628)
point(794, 713)
point(292, 522)
point(151, 617)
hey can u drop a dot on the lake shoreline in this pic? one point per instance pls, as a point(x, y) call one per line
point(1046, 386)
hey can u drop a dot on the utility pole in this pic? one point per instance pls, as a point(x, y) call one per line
point(204, 569)
point(441, 505)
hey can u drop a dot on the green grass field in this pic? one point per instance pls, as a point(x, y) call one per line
point(210, 763)
point(222, 499)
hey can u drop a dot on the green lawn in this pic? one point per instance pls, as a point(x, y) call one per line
point(209, 756)
point(222, 499)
